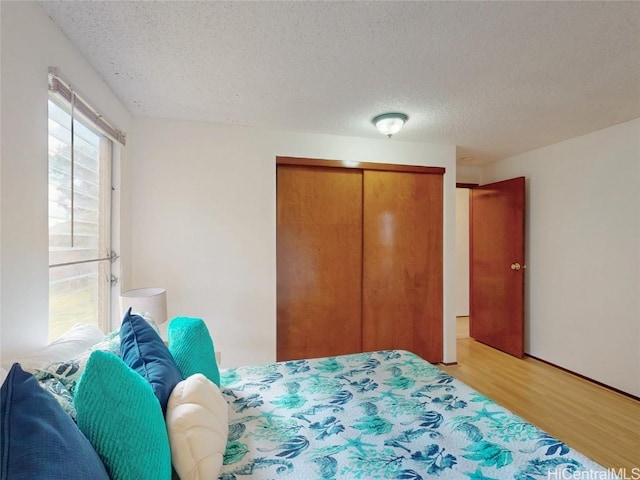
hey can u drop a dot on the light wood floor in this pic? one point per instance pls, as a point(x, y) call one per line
point(598, 422)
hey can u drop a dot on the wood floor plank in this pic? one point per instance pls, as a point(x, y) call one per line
point(600, 423)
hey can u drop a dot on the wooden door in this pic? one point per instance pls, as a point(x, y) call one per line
point(319, 258)
point(497, 264)
point(402, 274)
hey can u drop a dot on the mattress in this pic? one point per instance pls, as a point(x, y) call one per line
point(386, 414)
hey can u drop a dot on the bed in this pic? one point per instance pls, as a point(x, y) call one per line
point(126, 406)
point(386, 414)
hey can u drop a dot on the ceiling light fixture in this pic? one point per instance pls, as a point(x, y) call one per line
point(390, 123)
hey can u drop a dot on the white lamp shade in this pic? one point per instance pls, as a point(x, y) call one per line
point(152, 301)
point(390, 123)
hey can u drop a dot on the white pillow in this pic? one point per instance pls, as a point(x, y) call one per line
point(76, 340)
point(198, 425)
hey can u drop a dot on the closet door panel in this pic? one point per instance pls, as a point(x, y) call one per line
point(402, 266)
point(319, 258)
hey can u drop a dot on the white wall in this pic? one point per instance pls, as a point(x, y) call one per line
point(468, 173)
point(462, 252)
point(204, 221)
point(30, 43)
point(583, 252)
point(464, 174)
point(229, 272)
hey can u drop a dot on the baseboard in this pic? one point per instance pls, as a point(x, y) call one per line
point(448, 364)
point(583, 377)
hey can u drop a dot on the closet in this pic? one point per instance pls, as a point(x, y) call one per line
point(359, 258)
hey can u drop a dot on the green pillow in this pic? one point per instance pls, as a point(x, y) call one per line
point(192, 348)
point(61, 377)
point(120, 415)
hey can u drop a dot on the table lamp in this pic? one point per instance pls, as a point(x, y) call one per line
point(152, 301)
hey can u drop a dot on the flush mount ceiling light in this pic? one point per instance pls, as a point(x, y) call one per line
point(390, 123)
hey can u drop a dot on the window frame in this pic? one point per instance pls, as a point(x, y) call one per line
point(104, 257)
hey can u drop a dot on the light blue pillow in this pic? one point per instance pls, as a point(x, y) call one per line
point(192, 348)
point(39, 440)
point(143, 350)
point(62, 395)
point(119, 414)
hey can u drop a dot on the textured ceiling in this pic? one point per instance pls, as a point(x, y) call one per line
point(493, 78)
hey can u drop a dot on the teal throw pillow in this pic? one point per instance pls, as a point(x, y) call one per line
point(61, 377)
point(38, 440)
point(144, 351)
point(192, 348)
point(120, 415)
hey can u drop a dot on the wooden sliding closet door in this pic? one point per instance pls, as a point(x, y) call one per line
point(319, 261)
point(402, 276)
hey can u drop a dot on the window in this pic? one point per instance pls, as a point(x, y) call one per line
point(80, 157)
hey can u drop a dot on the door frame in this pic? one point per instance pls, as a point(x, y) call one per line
point(468, 186)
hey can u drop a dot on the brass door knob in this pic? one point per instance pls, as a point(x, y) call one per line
point(516, 266)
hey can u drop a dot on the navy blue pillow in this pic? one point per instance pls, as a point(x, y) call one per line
point(143, 350)
point(38, 439)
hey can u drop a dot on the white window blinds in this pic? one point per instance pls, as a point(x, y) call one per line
point(59, 86)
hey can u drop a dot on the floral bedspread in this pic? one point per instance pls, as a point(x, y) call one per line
point(386, 414)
